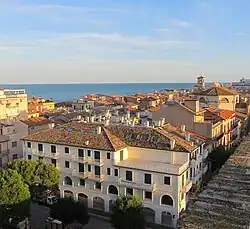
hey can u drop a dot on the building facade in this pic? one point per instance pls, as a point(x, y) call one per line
point(98, 163)
point(13, 104)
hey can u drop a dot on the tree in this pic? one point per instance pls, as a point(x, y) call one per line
point(14, 195)
point(36, 173)
point(69, 211)
point(128, 213)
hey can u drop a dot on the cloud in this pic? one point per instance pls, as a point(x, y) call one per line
point(180, 23)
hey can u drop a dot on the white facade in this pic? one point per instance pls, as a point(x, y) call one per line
point(160, 178)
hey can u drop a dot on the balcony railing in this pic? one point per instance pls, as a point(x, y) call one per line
point(79, 159)
point(46, 154)
point(94, 161)
point(81, 175)
point(132, 184)
point(187, 186)
point(94, 177)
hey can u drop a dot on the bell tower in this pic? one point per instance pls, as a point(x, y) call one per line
point(200, 83)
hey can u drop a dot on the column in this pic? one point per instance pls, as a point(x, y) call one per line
point(90, 202)
point(157, 216)
point(62, 193)
point(106, 205)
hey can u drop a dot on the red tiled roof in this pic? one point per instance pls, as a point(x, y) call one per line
point(224, 114)
point(36, 121)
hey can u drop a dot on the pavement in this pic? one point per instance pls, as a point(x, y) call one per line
point(40, 213)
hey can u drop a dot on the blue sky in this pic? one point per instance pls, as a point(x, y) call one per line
point(59, 41)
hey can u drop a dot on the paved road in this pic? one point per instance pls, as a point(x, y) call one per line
point(39, 213)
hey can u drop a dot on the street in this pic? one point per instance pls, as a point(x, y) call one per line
point(39, 213)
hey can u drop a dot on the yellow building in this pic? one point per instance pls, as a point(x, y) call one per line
point(48, 105)
point(218, 97)
point(13, 104)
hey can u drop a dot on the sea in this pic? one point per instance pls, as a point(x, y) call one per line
point(70, 92)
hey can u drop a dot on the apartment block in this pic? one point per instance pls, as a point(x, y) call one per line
point(13, 104)
point(99, 162)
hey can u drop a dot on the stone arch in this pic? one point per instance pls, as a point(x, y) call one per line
point(98, 203)
point(83, 198)
point(68, 194)
point(167, 200)
point(202, 100)
point(113, 190)
point(224, 100)
point(149, 215)
point(68, 180)
point(166, 219)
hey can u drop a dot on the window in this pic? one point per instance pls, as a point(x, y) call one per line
point(14, 156)
point(147, 178)
point(40, 147)
point(187, 175)
point(82, 182)
point(53, 149)
point(129, 175)
point(66, 164)
point(14, 144)
point(191, 173)
point(129, 191)
point(148, 195)
point(108, 171)
point(121, 155)
point(29, 157)
point(116, 172)
point(89, 168)
point(66, 149)
point(81, 168)
point(89, 153)
point(97, 170)
point(108, 155)
point(98, 185)
point(182, 180)
point(80, 153)
point(182, 196)
point(40, 158)
point(167, 180)
point(53, 161)
point(97, 155)
point(29, 144)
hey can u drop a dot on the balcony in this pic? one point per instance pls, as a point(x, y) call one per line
point(134, 185)
point(45, 154)
point(205, 154)
point(187, 187)
point(95, 177)
point(93, 161)
point(79, 159)
point(81, 175)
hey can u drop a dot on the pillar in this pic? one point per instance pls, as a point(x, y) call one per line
point(158, 216)
point(90, 202)
point(106, 205)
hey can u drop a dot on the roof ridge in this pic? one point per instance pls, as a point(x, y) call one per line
point(109, 134)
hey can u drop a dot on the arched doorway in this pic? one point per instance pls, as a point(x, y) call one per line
point(98, 203)
point(149, 215)
point(202, 100)
point(167, 200)
point(224, 100)
point(68, 181)
point(83, 198)
point(166, 219)
point(113, 190)
point(68, 194)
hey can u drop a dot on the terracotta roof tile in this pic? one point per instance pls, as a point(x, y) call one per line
point(217, 91)
point(223, 114)
point(36, 121)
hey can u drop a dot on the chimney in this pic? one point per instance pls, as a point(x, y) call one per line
point(187, 137)
point(92, 119)
point(193, 105)
point(107, 121)
point(87, 119)
point(147, 124)
point(159, 123)
point(138, 115)
point(133, 123)
point(163, 121)
point(172, 143)
point(127, 122)
point(100, 118)
point(128, 114)
point(99, 130)
point(87, 143)
point(192, 143)
point(183, 128)
point(122, 119)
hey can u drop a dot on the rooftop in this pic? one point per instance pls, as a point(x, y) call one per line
point(225, 203)
point(36, 121)
point(111, 138)
point(223, 114)
point(217, 91)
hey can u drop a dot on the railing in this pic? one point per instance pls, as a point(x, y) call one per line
point(82, 175)
point(94, 161)
point(95, 177)
point(46, 154)
point(132, 184)
point(79, 159)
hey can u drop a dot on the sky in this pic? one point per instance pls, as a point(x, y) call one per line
point(96, 41)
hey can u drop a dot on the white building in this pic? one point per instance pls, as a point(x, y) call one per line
point(13, 104)
point(98, 163)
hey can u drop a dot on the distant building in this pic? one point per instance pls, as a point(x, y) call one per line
point(83, 105)
point(200, 83)
point(13, 104)
point(218, 97)
point(40, 105)
point(242, 86)
point(99, 162)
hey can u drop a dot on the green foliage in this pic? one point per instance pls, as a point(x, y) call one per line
point(14, 194)
point(128, 213)
point(68, 211)
point(36, 172)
